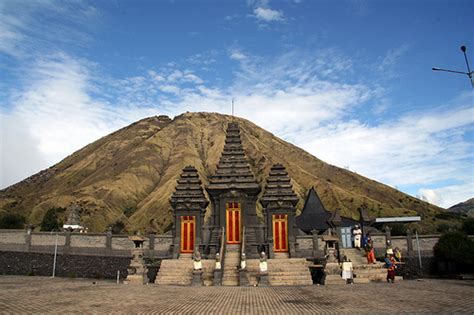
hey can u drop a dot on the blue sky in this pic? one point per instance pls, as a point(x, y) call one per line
point(348, 81)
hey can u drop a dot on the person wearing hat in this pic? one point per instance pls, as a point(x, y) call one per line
point(357, 233)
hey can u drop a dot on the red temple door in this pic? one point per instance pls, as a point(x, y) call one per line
point(188, 223)
point(233, 222)
point(280, 232)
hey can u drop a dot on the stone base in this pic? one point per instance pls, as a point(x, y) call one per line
point(243, 278)
point(197, 278)
point(333, 279)
point(263, 280)
point(135, 279)
point(217, 277)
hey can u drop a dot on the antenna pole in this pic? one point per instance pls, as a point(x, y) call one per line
point(232, 107)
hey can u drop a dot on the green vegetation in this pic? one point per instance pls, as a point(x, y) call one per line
point(128, 211)
point(468, 226)
point(455, 248)
point(398, 229)
point(12, 221)
point(51, 221)
point(118, 227)
point(448, 216)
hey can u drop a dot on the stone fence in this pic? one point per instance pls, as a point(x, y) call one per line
point(102, 244)
point(309, 246)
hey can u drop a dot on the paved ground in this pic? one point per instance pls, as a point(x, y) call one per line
point(45, 295)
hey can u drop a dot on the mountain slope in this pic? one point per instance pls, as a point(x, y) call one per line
point(133, 171)
point(466, 207)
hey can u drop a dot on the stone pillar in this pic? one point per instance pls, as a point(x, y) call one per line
point(409, 243)
point(388, 235)
point(151, 243)
point(177, 238)
point(29, 231)
point(108, 240)
point(271, 250)
point(292, 234)
point(315, 243)
point(197, 278)
point(243, 278)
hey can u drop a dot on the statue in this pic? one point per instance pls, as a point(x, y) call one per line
point(218, 261)
point(197, 260)
point(263, 263)
point(243, 263)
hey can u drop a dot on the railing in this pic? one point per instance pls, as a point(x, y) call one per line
point(242, 249)
point(222, 254)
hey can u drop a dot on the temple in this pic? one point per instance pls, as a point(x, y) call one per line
point(233, 242)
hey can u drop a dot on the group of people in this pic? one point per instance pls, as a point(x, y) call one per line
point(392, 256)
point(364, 242)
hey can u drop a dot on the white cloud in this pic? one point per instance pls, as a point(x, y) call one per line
point(448, 196)
point(268, 15)
point(237, 55)
point(393, 56)
point(30, 27)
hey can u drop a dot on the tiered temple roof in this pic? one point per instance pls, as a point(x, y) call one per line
point(189, 193)
point(278, 191)
point(233, 170)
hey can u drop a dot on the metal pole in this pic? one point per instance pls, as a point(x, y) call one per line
point(419, 254)
point(55, 255)
point(118, 276)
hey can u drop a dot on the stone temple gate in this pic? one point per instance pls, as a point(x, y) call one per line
point(234, 191)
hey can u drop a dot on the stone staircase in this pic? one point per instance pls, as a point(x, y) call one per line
point(365, 272)
point(283, 271)
point(180, 271)
point(373, 272)
point(230, 276)
point(356, 256)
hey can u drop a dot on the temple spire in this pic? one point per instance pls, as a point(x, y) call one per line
point(233, 170)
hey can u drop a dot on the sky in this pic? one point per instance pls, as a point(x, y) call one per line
point(348, 81)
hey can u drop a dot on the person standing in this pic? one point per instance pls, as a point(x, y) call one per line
point(347, 270)
point(357, 233)
point(370, 251)
point(390, 265)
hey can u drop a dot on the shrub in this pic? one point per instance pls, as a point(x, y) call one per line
point(468, 226)
point(128, 211)
point(12, 221)
point(447, 215)
point(398, 229)
point(51, 221)
point(118, 227)
point(457, 248)
point(443, 228)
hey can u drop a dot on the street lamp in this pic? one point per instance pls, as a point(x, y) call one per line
point(469, 73)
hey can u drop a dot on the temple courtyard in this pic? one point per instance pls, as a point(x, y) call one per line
point(61, 295)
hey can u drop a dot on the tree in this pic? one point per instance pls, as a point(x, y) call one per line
point(12, 221)
point(457, 248)
point(51, 221)
point(468, 226)
point(118, 227)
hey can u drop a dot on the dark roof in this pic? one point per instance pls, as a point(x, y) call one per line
point(189, 194)
point(233, 170)
point(279, 190)
point(315, 217)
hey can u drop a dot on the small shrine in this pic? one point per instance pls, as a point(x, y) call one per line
point(137, 272)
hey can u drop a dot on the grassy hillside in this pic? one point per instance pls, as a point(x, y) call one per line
point(130, 175)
